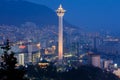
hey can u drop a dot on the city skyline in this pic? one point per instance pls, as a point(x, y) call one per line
point(37, 42)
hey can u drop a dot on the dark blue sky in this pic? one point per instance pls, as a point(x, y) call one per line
point(89, 13)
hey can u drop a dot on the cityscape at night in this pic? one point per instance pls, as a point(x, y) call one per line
point(59, 40)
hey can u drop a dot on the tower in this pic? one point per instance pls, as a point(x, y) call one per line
point(60, 12)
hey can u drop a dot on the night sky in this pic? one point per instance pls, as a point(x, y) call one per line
point(101, 14)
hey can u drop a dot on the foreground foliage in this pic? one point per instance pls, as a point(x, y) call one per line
point(8, 69)
point(81, 73)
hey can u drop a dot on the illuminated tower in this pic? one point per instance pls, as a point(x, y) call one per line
point(60, 12)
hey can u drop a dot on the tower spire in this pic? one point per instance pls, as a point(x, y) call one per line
point(60, 6)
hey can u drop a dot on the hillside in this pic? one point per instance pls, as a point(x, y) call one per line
point(81, 73)
point(16, 12)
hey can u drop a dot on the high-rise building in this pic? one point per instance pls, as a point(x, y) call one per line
point(60, 12)
point(94, 59)
point(29, 52)
point(21, 59)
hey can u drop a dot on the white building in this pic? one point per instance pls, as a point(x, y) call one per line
point(21, 59)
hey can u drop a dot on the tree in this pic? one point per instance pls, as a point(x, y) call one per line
point(9, 70)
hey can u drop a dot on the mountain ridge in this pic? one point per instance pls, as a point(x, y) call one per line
point(16, 12)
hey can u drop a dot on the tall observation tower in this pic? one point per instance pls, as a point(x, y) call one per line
point(60, 12)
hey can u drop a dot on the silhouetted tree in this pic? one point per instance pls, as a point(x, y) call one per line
point(8, 70)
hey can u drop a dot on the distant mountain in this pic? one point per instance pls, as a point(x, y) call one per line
point(29, 20)
point(16, 12)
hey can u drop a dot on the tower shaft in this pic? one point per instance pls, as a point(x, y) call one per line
point(60, 39)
